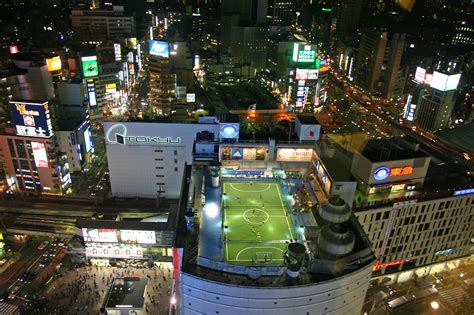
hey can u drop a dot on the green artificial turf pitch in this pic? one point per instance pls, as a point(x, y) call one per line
point(258, 225)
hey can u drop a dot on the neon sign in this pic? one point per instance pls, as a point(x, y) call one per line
point(378, 265)
point(383, 172)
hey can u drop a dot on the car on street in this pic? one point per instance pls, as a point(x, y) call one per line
point(43, 245)
point(44, 261)
point(13, 292)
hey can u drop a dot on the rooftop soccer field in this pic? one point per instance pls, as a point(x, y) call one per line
point(256, 224)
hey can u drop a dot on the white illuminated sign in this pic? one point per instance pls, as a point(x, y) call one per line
point(294, 155)
point(114, 251)
point(139, 237)
point(444, 82)
point(39, 154)
point(190, 97)
point(420, 74)
point(117, 134)
point(117, 52)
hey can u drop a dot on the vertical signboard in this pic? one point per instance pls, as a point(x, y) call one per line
point(31, 119)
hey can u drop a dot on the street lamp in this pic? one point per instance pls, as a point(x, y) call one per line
point(434, 305)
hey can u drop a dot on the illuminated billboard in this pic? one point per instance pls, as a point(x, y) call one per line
point(119, 236)
point(384, 172)
point(31, 119)
point(313, 74)
point(453, 81)
point(14, 49)
point(117, 52)
point(420, 75)
point(138, 237)
point(229, 130)
point(248, 154)
point(113, 251)
point(131, 42)
point(190, 97)
point(54, 64)
point(159, 48)
point(88, 140)
point(39, 154)
point(304, 53)
point(111, 88)
point(294, 155)
point(90, 67)
point(100, 235)
point(301, 74)
point(444, 82)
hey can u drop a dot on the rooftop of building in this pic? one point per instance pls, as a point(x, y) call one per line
point(461, 136)
point(308, 120)
point(336, 160)
point(127, 292)
point(194, 262)
point(382, 150)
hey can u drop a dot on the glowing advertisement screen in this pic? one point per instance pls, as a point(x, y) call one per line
point(113, 251)
point(420, 74)
point(159, 48)
point(31, 119)
point(453, 81)
point(87, 140)
point(138, 237)
point(294, 155)
point(304, 53)
point(90, 67)
point(39, 154)
point(301, 74)
point(54, 63)
point(119, 236)
point(100, 235)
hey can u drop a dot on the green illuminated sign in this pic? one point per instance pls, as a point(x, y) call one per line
point(318, 63)
point(306, 55)
point(90, 67)
point(327, 10)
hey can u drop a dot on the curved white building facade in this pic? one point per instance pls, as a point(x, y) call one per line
point(341, 295)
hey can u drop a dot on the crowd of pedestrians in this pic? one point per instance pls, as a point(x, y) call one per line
point(84, 290)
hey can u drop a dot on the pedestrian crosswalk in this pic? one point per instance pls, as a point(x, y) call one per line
point(8, 309)
point(455, 296)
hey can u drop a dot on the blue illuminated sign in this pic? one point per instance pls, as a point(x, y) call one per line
point(31, 119)
point(464, 192)
point(229, 131)
point(237, 153)
point(382, 173)
point(159, 48)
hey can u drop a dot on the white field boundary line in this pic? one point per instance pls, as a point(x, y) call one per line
point(249, 191)
point(246, 248)
point(284, 212)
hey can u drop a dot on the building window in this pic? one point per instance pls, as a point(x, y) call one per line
point(175, 161)
point(158, 159)
point(175, 169)
point(175, 152)
point(159, 167)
